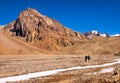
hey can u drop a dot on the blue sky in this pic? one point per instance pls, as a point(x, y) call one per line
point(79, 15)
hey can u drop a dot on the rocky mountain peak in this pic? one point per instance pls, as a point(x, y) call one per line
point(34, 13)
point(47, 32)
point(31, 11)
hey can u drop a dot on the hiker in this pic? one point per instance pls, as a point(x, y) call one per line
point(87, 58)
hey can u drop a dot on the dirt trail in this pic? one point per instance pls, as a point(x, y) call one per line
point(13, 46)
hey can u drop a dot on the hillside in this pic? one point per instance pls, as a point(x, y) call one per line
point(13, 46)
point(96, 46)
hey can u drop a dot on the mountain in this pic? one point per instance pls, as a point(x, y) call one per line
point(33, 32)
point(42, 31)
point(93, 33)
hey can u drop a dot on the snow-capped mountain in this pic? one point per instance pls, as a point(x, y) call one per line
point(95, 33)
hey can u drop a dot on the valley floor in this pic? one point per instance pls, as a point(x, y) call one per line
point(14, 65)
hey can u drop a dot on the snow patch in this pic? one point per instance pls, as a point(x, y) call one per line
point(94, 32)
point(103, 35)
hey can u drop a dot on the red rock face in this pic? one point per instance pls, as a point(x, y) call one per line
point(35, 27)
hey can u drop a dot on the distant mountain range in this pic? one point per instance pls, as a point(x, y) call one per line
point(97, 33)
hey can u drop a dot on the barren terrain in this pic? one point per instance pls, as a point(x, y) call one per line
point(13, 65)
point(18, 57)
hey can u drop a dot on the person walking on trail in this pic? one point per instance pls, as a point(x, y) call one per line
point(87, 58)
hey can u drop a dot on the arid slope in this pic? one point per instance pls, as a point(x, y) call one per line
point(95, 46)
point(12, 46)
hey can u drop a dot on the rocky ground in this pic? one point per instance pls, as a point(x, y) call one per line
point(22, 64)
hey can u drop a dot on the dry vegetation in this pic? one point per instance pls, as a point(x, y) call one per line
point(95, 46)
